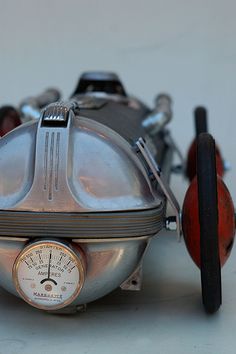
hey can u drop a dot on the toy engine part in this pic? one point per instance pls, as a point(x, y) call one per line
point(30, 107)
point(84, 194)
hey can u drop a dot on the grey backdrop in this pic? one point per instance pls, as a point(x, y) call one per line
point(184, 47)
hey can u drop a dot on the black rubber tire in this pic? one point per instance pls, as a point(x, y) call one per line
point(208, 219)
point(200, 116)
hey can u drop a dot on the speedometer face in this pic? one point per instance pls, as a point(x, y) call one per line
point(48, 275)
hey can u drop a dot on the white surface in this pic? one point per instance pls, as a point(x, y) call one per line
point(166, 317)
point(184, 47)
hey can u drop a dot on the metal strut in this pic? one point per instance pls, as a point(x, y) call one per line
point(162, 183)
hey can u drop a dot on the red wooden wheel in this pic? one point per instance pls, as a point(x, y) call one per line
point(208, 222)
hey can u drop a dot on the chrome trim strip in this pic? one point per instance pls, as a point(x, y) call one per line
point(82, 225)
point(164, 186)
point(82, 240)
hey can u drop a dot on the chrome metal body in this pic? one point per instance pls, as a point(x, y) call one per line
point(109, 263)
point(76, 174)
point(84, 167)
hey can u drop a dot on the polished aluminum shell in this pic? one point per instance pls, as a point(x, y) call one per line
point(68, 176)
point(84, 167)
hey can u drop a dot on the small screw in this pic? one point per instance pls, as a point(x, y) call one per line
point(171, 224)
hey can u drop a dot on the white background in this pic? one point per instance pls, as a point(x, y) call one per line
point(184, 47)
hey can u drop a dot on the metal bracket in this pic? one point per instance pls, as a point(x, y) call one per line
point(134, 282)
point(162, 183)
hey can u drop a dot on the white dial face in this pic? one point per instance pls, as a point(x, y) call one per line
point(48, 275)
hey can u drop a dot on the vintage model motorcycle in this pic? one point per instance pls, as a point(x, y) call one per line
point(84, 188)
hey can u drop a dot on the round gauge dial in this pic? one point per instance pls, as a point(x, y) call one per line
point(48, 275)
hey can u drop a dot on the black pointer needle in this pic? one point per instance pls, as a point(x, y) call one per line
point(49, 269)
point(49, 264)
